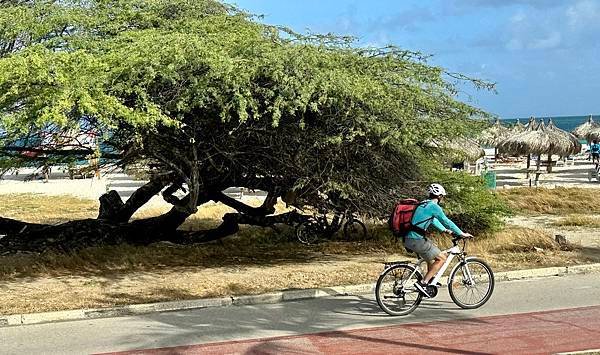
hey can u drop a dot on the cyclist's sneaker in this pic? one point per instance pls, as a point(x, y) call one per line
point(422, 288)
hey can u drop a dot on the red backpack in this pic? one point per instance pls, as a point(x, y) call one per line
point(401, 217)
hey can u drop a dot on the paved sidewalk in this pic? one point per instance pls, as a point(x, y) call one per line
point(345, 314)
point(527, 333)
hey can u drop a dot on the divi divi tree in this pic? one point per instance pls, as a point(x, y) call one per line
point(211, 98)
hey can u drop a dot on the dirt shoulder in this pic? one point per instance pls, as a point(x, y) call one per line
point(47, 293)
point(582, 230)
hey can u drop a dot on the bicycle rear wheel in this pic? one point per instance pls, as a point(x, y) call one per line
point(395, 291)
point(471, 283)
point(355, 230)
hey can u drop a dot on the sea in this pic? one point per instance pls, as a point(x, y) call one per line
point(567, 123)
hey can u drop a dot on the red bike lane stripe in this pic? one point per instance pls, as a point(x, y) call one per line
point(527, 333)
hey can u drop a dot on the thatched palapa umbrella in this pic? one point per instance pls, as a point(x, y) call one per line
point(459, 149)
point(542, 140)
point(567, 142)
point(593, 130)
point(465, 148)
point(593, 135)
point(493, 135)
point(518, 127)
point(516, 144)
point(583, 130)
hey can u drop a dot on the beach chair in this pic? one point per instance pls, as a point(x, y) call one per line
point(566, 161)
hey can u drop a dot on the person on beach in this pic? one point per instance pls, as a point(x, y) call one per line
point(595, 150)
point(429, 213)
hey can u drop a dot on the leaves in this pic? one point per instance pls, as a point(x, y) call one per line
point(199, 83)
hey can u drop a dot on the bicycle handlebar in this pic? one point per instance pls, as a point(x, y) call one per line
point(458, 238)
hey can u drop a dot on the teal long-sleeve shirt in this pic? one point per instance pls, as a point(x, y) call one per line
point(430, 213)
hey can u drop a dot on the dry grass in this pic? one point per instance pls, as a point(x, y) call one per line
point(578, 221)
point(37, 208)
point(256, 260)
point(553, 201)
point(248, 264)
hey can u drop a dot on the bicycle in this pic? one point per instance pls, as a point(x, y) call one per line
point(354, 229)
point(471, 277)
point(318, 226)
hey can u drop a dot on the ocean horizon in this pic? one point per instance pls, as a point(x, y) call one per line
point(567, 123)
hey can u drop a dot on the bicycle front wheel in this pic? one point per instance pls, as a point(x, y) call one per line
point(471, 283)
point(355, 230)
point(307, 233)
point(395, 291)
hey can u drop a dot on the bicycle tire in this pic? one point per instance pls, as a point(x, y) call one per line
point(354, 227)
point(398, 293)
point(306, 233)
point(479, 297)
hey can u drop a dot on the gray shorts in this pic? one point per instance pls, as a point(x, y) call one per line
point(423, 247)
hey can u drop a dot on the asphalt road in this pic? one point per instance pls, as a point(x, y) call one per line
point(352, 315)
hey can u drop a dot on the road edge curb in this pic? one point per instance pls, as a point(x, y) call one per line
point(272, 297)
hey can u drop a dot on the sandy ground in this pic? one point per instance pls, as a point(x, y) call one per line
point(571, 174)
point(60, 184)
point(91, 188)
point(587, 237)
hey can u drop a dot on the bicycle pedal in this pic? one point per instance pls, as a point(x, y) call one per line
point(432, 291)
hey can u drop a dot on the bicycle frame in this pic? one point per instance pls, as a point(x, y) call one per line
point(452, 253)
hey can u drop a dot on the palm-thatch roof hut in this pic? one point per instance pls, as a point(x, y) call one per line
point(539, 139)
point(583, 130)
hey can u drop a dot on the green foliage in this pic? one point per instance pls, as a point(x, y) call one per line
point(201, 88)
point(471, 205)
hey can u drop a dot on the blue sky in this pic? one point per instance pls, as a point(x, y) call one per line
point(543, 54)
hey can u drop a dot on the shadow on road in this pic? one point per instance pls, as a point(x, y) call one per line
point(315, 317)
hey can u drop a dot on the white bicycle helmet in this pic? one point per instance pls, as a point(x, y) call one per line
point(436, 190)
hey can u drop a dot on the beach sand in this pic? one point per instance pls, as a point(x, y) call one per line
point(508, 175)
point(572, 174)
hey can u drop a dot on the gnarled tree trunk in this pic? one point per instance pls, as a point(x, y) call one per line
point(113, 225)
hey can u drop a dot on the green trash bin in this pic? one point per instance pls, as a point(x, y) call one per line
point(490, 179)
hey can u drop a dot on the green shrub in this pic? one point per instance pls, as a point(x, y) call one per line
point(472, 206)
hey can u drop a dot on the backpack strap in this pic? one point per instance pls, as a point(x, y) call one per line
point(414, 227)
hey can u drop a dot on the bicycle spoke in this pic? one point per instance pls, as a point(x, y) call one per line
point(471, 285)
point(395, 290)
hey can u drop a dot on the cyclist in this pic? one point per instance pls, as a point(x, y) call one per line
point(595, 149)
point(429, 213)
